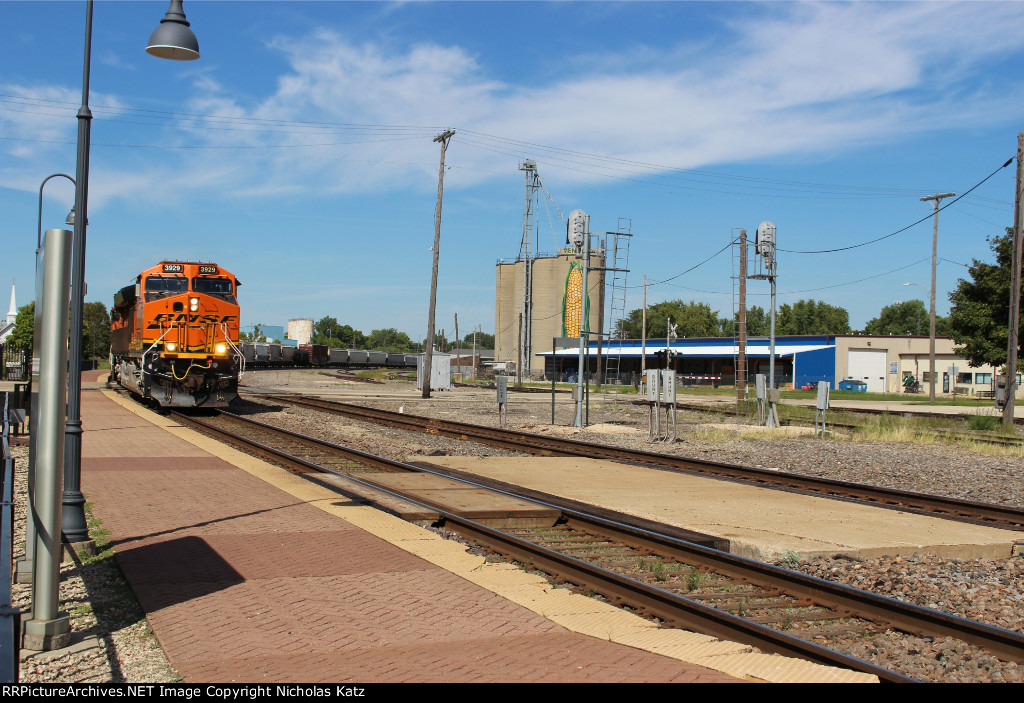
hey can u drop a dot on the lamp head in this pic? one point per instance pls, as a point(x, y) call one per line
point(70, 222)
point(173, 39)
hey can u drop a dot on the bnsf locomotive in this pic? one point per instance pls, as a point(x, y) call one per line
point(174, 335)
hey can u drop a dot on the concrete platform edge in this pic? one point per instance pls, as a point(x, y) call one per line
point(575, 612)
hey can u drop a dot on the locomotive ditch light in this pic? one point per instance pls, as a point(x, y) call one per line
point(171, 346)
point(221, 348)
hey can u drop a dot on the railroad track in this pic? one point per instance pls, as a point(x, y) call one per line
point(677, 581)
point(989, 514)
point(951, 435)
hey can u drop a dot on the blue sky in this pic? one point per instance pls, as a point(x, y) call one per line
point(298, 151)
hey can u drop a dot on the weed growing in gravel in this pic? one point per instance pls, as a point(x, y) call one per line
point(789, 559)
point(984, 423)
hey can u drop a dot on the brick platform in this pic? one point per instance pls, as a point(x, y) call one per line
point(244, 583)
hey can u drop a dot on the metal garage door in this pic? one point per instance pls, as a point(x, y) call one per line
point(868, 365)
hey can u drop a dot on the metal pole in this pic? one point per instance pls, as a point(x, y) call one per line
point(76, 532)
point(935, 249)
point(643, 338)
point(772, 413)
point(429, 351)
point(1013, 341)
point(23, 570)
point(584, 326)
point(519, 366)
point(39, 222)
point(47, 629)
point(741, 359)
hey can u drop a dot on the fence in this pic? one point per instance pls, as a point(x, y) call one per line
point(15, 362)
point(10, 617)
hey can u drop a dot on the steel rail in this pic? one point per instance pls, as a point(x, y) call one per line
point(903, 616)
point(545, 499)
point(990, 514)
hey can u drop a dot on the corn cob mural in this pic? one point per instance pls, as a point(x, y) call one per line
point(572, 301)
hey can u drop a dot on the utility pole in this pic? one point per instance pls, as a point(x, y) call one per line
point(1014, 327)
point(428, 358)
point(458, 352)
point(526, 318)
point(741, 358)
point(935, 254)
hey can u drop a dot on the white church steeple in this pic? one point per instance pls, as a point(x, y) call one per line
point(12, 314)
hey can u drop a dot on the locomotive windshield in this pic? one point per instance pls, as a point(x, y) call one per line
point(159, 286)
point(212, 286)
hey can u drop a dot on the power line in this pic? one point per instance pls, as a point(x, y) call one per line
point(904, 229)
point(692, 268)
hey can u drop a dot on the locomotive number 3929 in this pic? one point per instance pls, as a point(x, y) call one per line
point(172, 268)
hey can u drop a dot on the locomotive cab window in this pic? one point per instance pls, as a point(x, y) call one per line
point(220, 287)
point(160, 286)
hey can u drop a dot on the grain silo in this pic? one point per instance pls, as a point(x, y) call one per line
point(300, 329)
point(549, 275)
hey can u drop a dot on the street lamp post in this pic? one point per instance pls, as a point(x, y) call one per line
point(26, 563)
point(172, 40)
point(39, 222)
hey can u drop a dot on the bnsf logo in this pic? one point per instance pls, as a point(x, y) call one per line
point(185, 317)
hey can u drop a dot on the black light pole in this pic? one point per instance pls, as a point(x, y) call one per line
point(172, 40)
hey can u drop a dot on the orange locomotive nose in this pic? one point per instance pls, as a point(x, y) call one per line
point(169, 328)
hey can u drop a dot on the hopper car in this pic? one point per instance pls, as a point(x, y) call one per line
point(263, 355)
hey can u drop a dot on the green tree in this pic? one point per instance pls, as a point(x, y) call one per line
point(811, 317)
point(389, 340)
point(326, 327)
point(759, 323)
point(907, 317)
point(255, 336)
point(328, 331)
point(24, 325)
point(483, 341)
point(691, 319)
point(979, 317)
point(95, 331)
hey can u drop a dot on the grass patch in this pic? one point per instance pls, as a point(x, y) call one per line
point(984, 423)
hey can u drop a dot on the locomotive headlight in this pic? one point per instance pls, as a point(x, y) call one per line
point(171, 346)
point(221, 348)
point(193, 304)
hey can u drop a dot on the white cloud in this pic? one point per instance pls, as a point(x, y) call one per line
point(778, 80)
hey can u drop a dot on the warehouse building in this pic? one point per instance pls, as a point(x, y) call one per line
point(880, 362)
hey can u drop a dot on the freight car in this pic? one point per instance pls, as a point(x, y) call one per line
point(174, 335)
point(263, 355)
